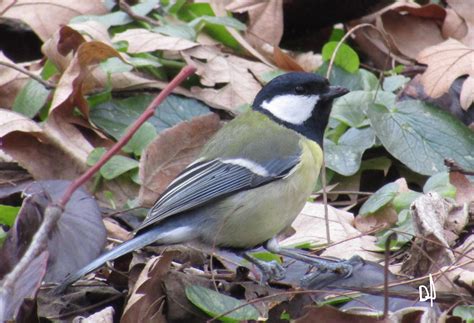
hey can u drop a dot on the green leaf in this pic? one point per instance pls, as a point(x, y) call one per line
point(422, 136)
point(380, 198)
point(145, 134)
point(214, 304)
point(346, 57)
point(180, 31)
point(115, 116)
point(49, 69)
point(223, 21)
point(405, 225)
point(395, 82)
point(345, 156)
point(191, 11)
point(115, 65)
point(266, 256)
point(95, 155)
point(116, 166)
point(350, 109)
point(119, 18)
point(466, 312)
point(336, 34)
point(360, 80)
point(31, 99)
point(8, 214)
point(440, 184)
point(403, 200)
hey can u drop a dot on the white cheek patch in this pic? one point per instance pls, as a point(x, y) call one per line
point(291, 108)
point(250, 165)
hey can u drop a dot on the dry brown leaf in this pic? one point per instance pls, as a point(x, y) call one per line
point(446, 62)
point(431, 248)
point(56, 151)
point(69, 91)
point(142, 40)
point(168, 154)
point(266, 20)
point(464, 188)
point(412, 32)
point(12, 121)
point(453, 25)
point(464, 9)
point(408, 27)
point(115, 231)
point(310, 227)
point(285, 61)
point(237, 73)
point(45, 17)
point(11, 82)
point(146, 301)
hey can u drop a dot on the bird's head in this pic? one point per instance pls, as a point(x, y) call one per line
point(299, 101)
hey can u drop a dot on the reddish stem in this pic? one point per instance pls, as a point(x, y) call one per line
point(150, 110)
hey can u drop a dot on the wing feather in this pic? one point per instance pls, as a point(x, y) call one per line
point(206, 181)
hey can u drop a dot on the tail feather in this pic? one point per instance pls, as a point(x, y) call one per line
point(137, 242)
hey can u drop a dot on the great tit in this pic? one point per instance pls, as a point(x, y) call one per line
point(250, 181)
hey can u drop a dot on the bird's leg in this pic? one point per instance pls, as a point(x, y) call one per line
point(271, 270)
point(343, 267)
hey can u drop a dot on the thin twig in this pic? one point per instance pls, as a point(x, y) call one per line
point(33, 76)
point(388, 242)
point(325, 201)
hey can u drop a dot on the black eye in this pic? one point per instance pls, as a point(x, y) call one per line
point(299, 89)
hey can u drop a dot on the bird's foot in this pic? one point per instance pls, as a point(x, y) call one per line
point(343, 268)
point(271, 270)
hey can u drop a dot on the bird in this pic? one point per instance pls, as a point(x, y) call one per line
point(250, 181)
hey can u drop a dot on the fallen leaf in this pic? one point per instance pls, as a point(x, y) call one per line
point(142, 40)
point(46, 154)
point(463, 9)
point(310, 227)
point(464, 188)
point(104, 316)
point(431, 248)
point(236, 73)
point(453, 25)
point(219, 9)
point(285, 61)
point(411, 33)
point(446, 62)
point(26, 286)
point(45, 17)
point(146, 301)
point(265, 20)
point(69, 91)
point(169, 153)
point(81, 224)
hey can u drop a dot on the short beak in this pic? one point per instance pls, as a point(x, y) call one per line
point(335, 92)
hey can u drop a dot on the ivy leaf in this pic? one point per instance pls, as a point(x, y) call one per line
point(31, 99)
point(380, 198)
point(422, 136)
point(345, 156)
point(214, 304)
point(346, 57)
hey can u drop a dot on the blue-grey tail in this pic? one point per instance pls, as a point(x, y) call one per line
point(157, 234)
